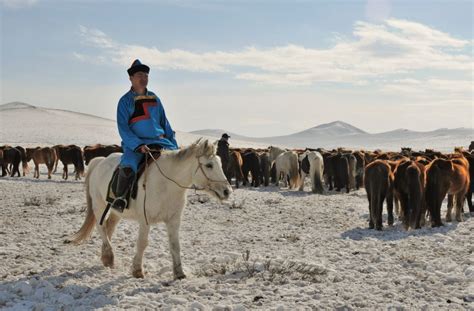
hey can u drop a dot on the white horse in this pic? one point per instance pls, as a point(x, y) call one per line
point(163, 199)
point(286, 164)
point(274, 152)
point(316, 169)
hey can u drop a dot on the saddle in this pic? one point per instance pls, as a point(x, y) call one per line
point(133, 188)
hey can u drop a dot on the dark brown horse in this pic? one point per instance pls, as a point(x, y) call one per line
point(359, 155)
point(446, 176)
point(24, 161)
point(378, 182)
point(39, 156)
point(10, 156)
point(71, 154)
point(251, 164)
point(265, 168)
point(409, 189)
point(342, 172)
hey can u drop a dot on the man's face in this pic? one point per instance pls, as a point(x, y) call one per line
point(139, 80)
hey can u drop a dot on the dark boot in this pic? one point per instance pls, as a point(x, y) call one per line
point(125, 180)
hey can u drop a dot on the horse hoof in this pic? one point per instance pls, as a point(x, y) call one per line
point(138, 274)
point(179, 276)
point(108, 261)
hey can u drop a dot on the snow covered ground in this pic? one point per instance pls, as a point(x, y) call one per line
point(264, 249)
point(267, 248)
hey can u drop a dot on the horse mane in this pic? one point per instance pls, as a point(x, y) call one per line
point(202, 147)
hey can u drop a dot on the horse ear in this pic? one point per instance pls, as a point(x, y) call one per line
point(203, 145)
point(198, 141)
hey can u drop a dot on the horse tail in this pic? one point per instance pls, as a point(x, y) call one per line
point(85, 231)
point(317, 177)
point(294, 173)
point(79, 161)
point(414, 195)
point(50, 157)
point(375, 199)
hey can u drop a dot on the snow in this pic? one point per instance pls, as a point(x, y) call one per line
point(264, 249)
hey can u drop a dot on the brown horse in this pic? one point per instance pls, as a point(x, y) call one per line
point(99, 150)
point(409, 189)
point(378, 180)
point(446, 176)
point(71, 154)
point(234, 168)
point(39, 156)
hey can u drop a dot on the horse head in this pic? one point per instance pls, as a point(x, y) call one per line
point(209, 175)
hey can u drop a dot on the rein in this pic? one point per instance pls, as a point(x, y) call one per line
point(193, 187)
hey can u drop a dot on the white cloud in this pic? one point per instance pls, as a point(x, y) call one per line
point(376, 51)
point(18, 4)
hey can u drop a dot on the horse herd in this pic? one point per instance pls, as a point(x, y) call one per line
point(11, 157)
point(417, 182)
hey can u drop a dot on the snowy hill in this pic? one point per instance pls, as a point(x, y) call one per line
point(338, 133)
point(28, 125)
point(336, 128)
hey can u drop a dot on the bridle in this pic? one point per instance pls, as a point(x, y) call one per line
point(193, 187)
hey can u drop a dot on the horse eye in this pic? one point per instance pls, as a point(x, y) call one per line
point(209, 165)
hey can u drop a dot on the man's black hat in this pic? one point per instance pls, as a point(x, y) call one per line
point(136, 67)
point(225, 135)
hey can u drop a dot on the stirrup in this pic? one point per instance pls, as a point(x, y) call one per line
point(119, 204)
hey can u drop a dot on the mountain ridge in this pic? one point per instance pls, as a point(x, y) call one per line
point(61, 126)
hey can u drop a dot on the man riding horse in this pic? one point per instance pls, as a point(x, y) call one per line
point(143, 126)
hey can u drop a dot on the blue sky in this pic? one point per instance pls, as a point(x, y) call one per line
point(257, 68)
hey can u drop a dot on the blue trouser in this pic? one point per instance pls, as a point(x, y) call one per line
point(131, 159)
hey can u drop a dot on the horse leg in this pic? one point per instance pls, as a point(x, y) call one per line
point(459, 206)
point(142, 243)
point(469, 200)
point(236, 174)
point(398, 211)
point(405, 210)
point(450, 207)
point(303, 176)
point(37, 174)
point(50, 169)
point(173, 236)
point(64, 171)
point(111, 224)
point(378, 211)
point(107, 255)
point(371, 222)
point(389, 198)
point(423, 213)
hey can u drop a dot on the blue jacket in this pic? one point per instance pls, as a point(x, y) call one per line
point(141, 119)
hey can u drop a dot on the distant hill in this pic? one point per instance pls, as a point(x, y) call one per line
point(338, 133)
point(16, 105)
point(336, 128)
point(25, 124)
point(29, 125)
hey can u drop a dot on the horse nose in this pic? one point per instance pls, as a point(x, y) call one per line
point(226, 192)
